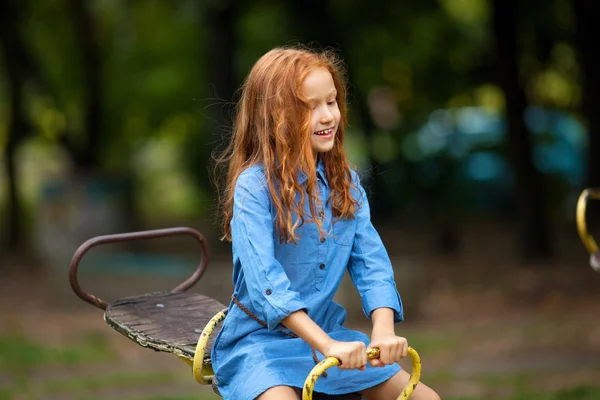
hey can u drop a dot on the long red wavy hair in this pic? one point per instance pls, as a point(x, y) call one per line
point(272, 128)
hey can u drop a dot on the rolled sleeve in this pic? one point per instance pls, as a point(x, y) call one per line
point(269, 288)
point(369, 266)
point(382, 297)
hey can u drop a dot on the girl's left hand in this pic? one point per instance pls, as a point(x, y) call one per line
point(392, 348)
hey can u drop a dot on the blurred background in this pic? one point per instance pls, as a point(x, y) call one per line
point(474, 124)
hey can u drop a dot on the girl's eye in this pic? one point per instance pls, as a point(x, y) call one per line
point(332, 102)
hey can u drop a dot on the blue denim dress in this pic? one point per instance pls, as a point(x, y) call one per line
point(273, 280)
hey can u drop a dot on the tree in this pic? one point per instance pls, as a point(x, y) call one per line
point(221, 19)
point(88, 155)
point(17, 63)
point(216, 25)
point(534, 232)
point(590, 65)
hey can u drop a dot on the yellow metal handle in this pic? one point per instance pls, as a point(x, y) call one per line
point(329, 362)
point(203, 373)
point(586, 238)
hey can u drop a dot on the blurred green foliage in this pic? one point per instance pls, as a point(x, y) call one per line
point(168, 73)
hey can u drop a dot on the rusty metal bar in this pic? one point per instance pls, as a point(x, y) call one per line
point(141, 235)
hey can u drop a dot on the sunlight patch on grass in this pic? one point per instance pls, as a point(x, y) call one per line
point(19, 355)
point(84, 386)
point(120, 380)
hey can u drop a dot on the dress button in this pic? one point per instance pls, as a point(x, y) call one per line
point(322, 266)
point(268, 292)
point(322, 240)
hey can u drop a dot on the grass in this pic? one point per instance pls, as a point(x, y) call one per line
point(21, 359)
point(20, 355)
point(187, 397)
point(528, 385)
point(119, 380)
point(83, 386)
point(575, 393)
point(433, 343)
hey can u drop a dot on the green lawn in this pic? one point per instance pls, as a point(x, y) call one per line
point(23, 362)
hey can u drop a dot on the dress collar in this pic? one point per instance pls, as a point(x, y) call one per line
point(302, 177)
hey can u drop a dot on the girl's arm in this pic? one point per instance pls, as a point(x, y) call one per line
point(369, 266)
point(271, 295)
point(371, 271)
point(351, 354)
point(392, 348)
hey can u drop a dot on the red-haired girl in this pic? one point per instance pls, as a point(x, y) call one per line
point(298, 218)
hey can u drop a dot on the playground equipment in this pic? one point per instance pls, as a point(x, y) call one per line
point(172, 321)
point(587, 239)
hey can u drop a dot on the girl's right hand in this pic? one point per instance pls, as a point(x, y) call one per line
point(353, 355)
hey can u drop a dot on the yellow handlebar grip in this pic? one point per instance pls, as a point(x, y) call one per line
point(329, 362)
point(197, 366)
point(586, 238)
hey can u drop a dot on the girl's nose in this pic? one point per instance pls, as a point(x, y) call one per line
point(326, 116)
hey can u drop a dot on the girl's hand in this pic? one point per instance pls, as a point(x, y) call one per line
point(392, 348)
point(353, 355)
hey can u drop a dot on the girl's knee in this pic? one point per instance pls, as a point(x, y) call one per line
point(279, 393)
point(395, 385)
point(435, 396)
point(424, 392)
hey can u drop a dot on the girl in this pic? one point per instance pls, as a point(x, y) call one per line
point(298, 218)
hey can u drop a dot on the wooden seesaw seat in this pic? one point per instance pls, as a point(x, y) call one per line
point(169, 322)
point(175, 322)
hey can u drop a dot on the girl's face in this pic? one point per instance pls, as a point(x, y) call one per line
point(319, 90)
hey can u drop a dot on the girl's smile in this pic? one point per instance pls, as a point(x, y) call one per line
point(326, 133)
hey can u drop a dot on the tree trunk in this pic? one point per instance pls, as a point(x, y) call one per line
point(16, 132)
point(587, 24)
point(221, 19)
point(88, 157)
point(534, 232)
point(14, 55)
